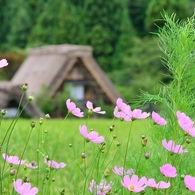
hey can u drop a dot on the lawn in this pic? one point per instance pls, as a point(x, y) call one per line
point(62, 141)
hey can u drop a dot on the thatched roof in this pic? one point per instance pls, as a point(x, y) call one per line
point(52, 65)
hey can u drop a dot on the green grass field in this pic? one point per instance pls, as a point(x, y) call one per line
point(60, 134)
point(56, 144)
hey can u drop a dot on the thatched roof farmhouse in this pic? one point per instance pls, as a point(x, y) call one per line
point(57, 65)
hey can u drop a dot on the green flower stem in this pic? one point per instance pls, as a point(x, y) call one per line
point(38, 150)
point(11, 129)
point(57, 140)
point(91, 169)
point(76, 187)
point(16, 117)
point(138, 163)
point(17, 170)
point(127, 145)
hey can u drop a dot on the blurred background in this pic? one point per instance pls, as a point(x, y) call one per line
point(121, 32)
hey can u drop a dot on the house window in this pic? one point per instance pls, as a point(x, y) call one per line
point(77, 92)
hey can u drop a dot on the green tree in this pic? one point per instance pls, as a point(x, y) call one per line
point(69, 28)
point(137, 11)
point(59, 23)
point(156, 8)
point(124, 41)
point(3, 23)
point(143, 70)
point(20, 25)
point(17, 18)
point(104, 25)
point(43, 30)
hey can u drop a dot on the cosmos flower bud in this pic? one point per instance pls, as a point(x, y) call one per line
point(41, 121)
point(26, 179)
point(188, 141)
point(143, 136)
point(47, 116)
point(32, 124)
point(62, 192)
point(114, 136)
point(106, 172)
point(147, 155)
point(13, 172)
point(70, 145)
point(30, 98)
point(118, 143)
point(24, 87)
point(53, 179)
point(121, 119)
point(25, 166)
point(3, 112)
point(83, 155)
point(182, 176)
point(112, 127)
point(144, 142)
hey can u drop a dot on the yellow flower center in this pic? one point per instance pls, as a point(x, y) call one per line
point(132, 187)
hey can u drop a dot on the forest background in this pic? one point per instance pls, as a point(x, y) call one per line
point(121, 32)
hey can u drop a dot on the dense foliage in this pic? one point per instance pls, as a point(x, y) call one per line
point(119, 32)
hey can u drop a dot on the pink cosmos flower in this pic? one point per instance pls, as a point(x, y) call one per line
point(158, 119)
point(3, 63)
point(25, 188)
point(31, 165)
point(128, 112)
point(89, 105)
point(133, 184)
point(186, 123)
point(54, 164)
point(138, 114)
point(189, 182)
point(119, 110)
point(73, 109)
point(170, 146)
point(168, 170)
point(92, 136)
point(47, 116)
point(184, 120)
point(122, 171)
point(13, 159)
point(161, 185)
point(102, 189)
